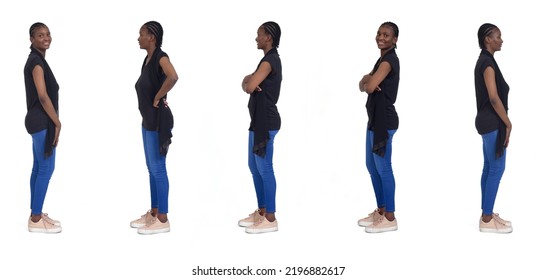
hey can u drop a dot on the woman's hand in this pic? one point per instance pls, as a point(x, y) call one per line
point(56, 135)
point(363, 82)
point(157, 101)
point(508, 131)
point(245, 81)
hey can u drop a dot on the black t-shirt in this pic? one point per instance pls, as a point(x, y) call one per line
point(389, 90)
point(487, 120)
point(36, 118)
point(149, 83)
point(271, 87)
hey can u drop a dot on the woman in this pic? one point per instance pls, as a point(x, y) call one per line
point(493, 124)
point(381, 85)
point(263, 86)
point(157, 78)
point(43, 124)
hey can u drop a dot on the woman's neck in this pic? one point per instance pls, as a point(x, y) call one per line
point(150, 52)
point(384, 51)
point(266, 50)
point(42, 52)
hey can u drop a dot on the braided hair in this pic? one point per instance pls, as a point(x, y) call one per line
point(484, 31)
point(274, 30)
point(36, 26)
point(393, 26)
point(156, 30)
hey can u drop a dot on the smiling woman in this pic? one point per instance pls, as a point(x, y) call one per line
point(263, 87)
point(43, 123)
point(381, 85)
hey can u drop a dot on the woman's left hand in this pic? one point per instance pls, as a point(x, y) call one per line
point(156, 102)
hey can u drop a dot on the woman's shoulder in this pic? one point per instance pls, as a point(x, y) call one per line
point(484, 61)
point(33, 60)
point(160, 53)
point(392, 59)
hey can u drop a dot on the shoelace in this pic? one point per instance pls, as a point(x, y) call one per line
point(258, 222)
point(499, 219)
point(47, 224)
point(48, 219)
point(147, 216)
point(377, 210)
point(256, 212)
point(378, 221)
point(150, 221)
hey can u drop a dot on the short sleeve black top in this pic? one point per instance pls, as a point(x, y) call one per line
point(36, 118)
point(271, 87)
point(149, 83)
point(388, 93)
point(487, 120)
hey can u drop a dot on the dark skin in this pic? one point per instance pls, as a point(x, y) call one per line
point(251, 83)
point(386, 40)
point(147, 41)
point(493, 43)
point(40, 41)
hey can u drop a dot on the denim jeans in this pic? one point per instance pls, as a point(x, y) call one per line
point(381, 172)
point(156, 164)
point(263, 173)
point(41, 172)
point(491, 173)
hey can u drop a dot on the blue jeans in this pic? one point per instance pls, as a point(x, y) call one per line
point(41, 172)
point(491, 173)
point(263, 173)
point(156, 164)
point(381, 172)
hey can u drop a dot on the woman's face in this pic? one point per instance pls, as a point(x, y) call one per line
point(41, 38)
point(385, 38)
point(494, 40)
point(263, 39)
point(145, 38)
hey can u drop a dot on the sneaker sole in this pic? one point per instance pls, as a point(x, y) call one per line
point(380, 230)
point(164, 230)
point(489, 230)
point(265, 230)
point(44, 230)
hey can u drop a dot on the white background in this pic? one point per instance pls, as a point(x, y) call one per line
point(101, 182)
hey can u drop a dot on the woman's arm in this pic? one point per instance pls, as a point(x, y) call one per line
point(498, 106)
point(169, 82)
point(375, 79)
point(39, 80)
point(252, 83)
point(363, 82)
point(245, 81)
